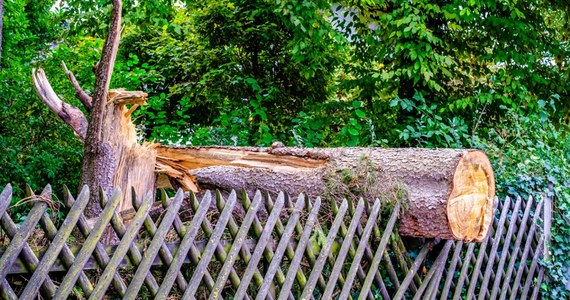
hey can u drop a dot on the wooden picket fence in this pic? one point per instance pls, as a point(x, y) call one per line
point(272, 249)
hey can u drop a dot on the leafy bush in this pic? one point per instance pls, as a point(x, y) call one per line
point(531, 153)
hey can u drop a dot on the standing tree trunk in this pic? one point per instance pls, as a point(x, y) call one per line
point(447, 193)
point(113, 156)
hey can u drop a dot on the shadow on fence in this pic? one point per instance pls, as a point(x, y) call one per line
point(295, 251)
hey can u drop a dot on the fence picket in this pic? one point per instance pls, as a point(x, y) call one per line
point(451, 270)
point(492, 255)
point(524, 255)
point(288, 248)
point(422, 293)
point(320, 262)
point(209, 251)
point(263, 235)
point(5, 199)
point(185, 245)
point(296, 261)
point(514, 256)
point(155, 245)
point(381, 248)
point(89, 245)
point(27, 254)
point(505, 252)
point(126, 241)
point(414, 269)
point(18, 240)
point(57, 243)
point(337, 267)
point(238, 242)
point(280, 250)
point(360, 251)
point(100, 253)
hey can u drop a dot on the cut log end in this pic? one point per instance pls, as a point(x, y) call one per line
point(470, 205)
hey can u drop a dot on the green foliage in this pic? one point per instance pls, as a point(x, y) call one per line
point(532, 156)
point(35, 147)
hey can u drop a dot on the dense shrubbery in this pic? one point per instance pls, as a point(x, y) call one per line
point(310, 74)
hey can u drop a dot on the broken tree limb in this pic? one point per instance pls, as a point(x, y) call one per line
point(70, 114)
point(447, 193)
point(85, 99)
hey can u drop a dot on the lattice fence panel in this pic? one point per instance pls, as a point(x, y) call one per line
point(234, 247)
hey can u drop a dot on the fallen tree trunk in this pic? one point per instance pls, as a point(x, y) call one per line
point(447, 193)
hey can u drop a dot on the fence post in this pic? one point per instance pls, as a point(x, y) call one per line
point(548, 223)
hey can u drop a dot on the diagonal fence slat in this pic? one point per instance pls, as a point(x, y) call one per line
point(126, 241)
point(289, 253)
point(90, 243)
point(280, 251)
point(238, 242)
point(451, 270)
point(219, 252)
point(210, 249)
point(5, 199)
point(492, 254)
point(185, 245)
point(526, 250)
point(156, 244)
point(100, 253)
point(255, 254)
point(438, 264)
point(320, 263)
point(18, 239)
point(336, 271)
point(57, 244)
point(514, 255)
point(505, 252)
point(264, 235)
point(360, 251)
point(381, 248)
point(415, 266)
point(66, 255)
point(27, 254)
point(296, 261)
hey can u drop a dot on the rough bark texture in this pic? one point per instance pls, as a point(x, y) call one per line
point(448, 193)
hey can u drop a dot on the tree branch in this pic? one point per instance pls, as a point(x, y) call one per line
point(79, 93)
point(68, 113)
point(103, 73)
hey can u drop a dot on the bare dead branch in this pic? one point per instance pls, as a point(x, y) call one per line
point(70, 114)
point(79, 92)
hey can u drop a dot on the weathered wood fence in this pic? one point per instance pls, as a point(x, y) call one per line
point(275, 249)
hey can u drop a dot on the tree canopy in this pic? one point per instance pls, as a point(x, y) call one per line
point(460, 74)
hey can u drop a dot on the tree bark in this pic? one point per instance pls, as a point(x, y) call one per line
point(447, 193)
